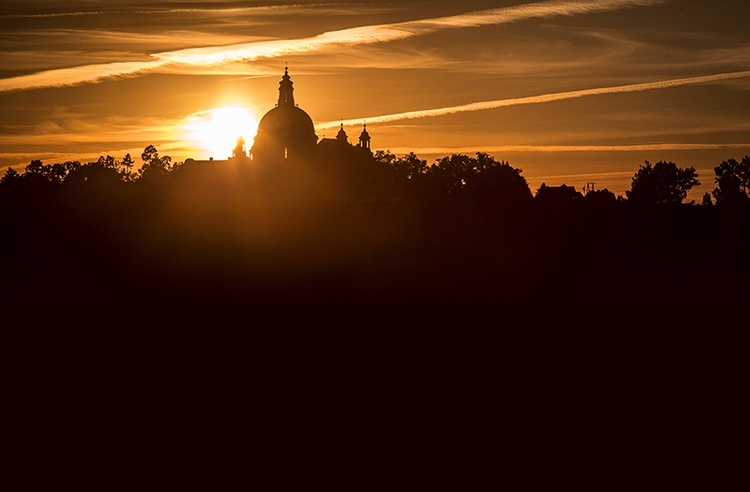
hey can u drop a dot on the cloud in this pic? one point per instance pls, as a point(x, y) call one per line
point(153, 11)
point(331, 40)
point(392, 32)
point(38, 52)
point(544, 98)
point(74, 130)
point(78, 75)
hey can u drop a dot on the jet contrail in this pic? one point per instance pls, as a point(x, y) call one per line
point(558, 96)
point(572, 148)
point(215, 55)
point(381, 33)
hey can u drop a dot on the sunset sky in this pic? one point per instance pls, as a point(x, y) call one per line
point(569, 91)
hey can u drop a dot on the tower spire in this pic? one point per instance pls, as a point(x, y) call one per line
point(286, 91)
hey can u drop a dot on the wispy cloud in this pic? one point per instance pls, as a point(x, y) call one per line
point(77, 75)
point(544, 98)
point(331, 40)
point(153, 11)
point(393, 32)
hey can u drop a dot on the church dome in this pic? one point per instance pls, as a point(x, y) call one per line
point(286, 130)
point(288, 121)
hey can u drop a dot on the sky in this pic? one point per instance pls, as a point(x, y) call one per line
point(569, 91)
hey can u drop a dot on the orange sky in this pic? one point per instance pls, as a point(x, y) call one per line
point(569, 91)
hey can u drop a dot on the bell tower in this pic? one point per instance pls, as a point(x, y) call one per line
point(364, 138)
point(341, 136)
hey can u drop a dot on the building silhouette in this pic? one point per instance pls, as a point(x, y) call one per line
point(287, 133)
point(287, 158)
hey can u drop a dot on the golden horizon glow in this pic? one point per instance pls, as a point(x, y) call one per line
point(560, 89)
point(216, 131)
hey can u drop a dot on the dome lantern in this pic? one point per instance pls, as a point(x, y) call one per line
point(286, 90)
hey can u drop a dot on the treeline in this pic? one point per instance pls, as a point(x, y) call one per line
point(354, 230)
point(663, 183)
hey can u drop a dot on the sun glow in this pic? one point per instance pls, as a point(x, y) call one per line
point(216, 131)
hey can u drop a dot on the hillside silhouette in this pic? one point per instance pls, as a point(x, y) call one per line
point(365, 231)
point(304, 223)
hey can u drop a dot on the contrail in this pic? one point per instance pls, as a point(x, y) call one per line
point(572, 148)
point(544, 98)
point(216, 55)
point(393, 32)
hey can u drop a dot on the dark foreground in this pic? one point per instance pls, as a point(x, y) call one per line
point(455, 349)
point(300, 254)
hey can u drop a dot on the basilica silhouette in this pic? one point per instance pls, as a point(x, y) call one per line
point(286, 153)
point(287, 132)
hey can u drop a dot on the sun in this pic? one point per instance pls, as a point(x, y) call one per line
point(216, 131)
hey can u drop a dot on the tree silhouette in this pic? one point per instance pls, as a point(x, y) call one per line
point(60, 171)
point(384, 156)
point(36, 177)
point(463, 224)
point(602, 197)
point(105, 169)
point(126, 167)
point(409, 166)
point(36, 166)
point(733, 182)
point(9, 176)
point(481, 177)
point(453, 171)
point(496, 182)
point(155, 166)
point(663, 183)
